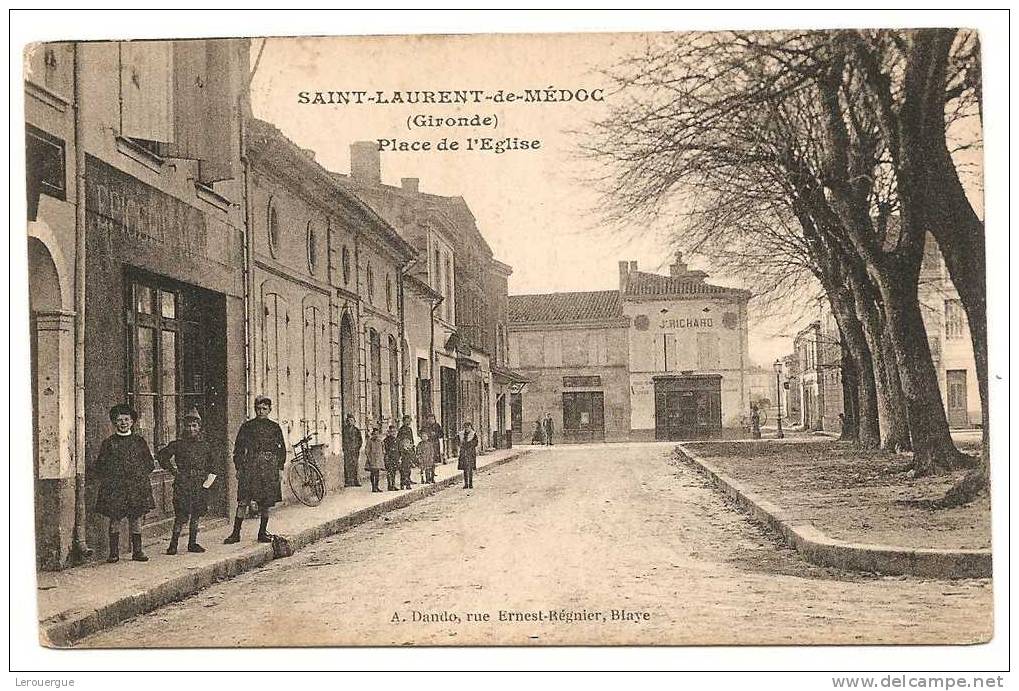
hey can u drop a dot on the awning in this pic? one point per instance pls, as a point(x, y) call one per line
point(504, 375)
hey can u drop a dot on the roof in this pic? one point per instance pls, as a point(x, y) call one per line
point(643, 284)
point(565, 307)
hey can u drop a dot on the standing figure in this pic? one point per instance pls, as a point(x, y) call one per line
point(755, 421)
point(374, 458)
point(426, 457)
point(549, 428)
point(259, 456)
point(538, 437)
point(125, 491)
point(405, 445)
point(437, 434)
point(468, 460)
point(189, 460)
point(392, 458)
point(352, 441)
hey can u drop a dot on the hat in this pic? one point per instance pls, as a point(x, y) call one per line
point(192, 415)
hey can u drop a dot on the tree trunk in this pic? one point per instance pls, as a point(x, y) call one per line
point(933, 448)
point(868, 429)
point(897, 436)
point(850, 398)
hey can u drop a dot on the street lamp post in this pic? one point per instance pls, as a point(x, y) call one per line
point(778, 398)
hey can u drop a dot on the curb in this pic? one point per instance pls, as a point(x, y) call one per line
point(818, 548)
point(62, 630)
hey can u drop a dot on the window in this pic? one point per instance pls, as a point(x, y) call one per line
point(312, 239)
point(707, 351)
point(394, 378)
point(44, 158)
point(346, 265)
point(371, 284)
point(375, 360)
point(955, 319)
point(274, 229)
point(389, 292)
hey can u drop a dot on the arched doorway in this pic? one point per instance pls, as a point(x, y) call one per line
point(348, 367)
point(52, 373)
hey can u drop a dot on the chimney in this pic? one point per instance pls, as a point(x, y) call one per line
point(409, 184)
point(365, 163)
point(679, 268)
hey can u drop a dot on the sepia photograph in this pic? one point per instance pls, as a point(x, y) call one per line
point(642, 338)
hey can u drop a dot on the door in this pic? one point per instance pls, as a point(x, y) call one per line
point(583, 416)
point(958, 408)
point(681, 414)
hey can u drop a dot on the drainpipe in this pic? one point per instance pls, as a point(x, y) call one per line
point(79, 547)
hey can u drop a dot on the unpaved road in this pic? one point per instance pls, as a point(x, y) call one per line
point(587, 529)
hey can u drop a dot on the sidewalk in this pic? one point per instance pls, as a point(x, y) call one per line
point(77, 602)
point(844, 507)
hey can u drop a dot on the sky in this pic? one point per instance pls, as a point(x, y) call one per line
point(536, 208)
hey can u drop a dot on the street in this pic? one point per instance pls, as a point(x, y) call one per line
point(587, 544)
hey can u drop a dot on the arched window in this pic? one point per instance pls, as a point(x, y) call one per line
point(273, 228)
point(312, 240)
point(346, 265)
point(375, 375)
point(394, 378)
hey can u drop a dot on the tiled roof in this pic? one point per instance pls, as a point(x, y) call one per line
point(565, 307)
point(645, 284)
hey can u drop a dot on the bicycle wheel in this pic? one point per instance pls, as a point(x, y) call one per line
point(306, 482)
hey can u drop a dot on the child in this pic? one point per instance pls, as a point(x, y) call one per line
point(392, 458)
point(189, 460)
point(124, 490)
point(426, 457)
point(374, 458)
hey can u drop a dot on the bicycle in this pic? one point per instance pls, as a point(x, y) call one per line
point(304, 476)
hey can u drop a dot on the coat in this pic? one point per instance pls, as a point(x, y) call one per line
point(190, 462)
point(390, 453)
point(426, 454)
point(122, 469)
point(259, 455)
point(405, 446)
point(468, 459)
point(375, 455)
point(352, 440)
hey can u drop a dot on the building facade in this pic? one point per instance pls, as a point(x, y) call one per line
point(136, 223)
point(678, 342)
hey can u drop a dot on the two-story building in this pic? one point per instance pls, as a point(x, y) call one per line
point(684, 355)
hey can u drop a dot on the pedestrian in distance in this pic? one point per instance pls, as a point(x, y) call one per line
point(259, 455)
point(190, 461)
point(468, 458)
point(352, 442)
point(375, 461)
point(755, 421)
point(426, 458)
point(391, 456)
point(122, 469)
point(405, 445)
point(549, 428)
point(538, 437)
point(437, 435)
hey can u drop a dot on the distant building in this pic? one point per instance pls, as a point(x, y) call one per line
point(662, 357)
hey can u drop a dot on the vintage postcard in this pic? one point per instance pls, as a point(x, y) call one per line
point(510, 339)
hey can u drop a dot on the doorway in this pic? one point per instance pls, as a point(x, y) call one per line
point(958, 403)
point(583, 416)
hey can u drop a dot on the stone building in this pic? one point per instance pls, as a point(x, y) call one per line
point(680, 341)
point(326, 283)
point(136, 255)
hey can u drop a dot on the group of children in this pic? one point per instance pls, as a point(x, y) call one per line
point(124, 464)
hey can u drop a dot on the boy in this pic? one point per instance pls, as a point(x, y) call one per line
point(426, 457)
point(392, 458)
point(189, 460)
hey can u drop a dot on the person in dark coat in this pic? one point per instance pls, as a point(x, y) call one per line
point(190, 462)
point(405, 445)
point(548, 427)
point(391, 455)
point(468, 459)
point(122, 469)
point(755, 421)
point(259, 456)
point(352, 441)
point(538, 437)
